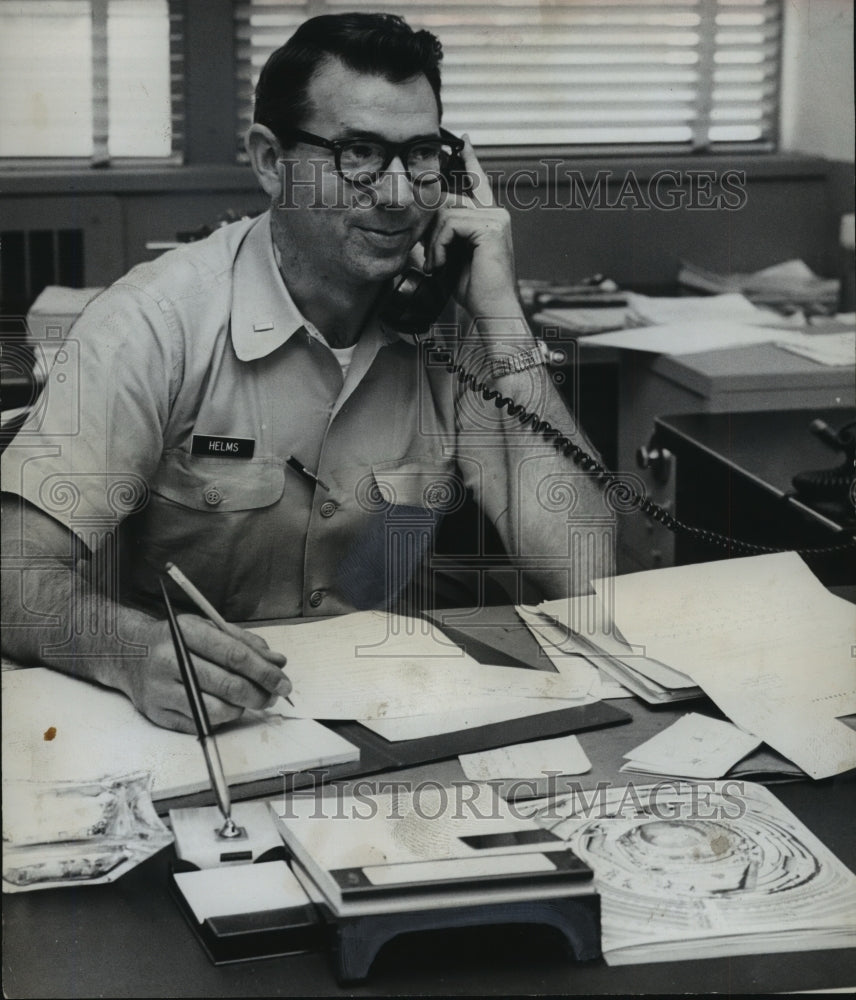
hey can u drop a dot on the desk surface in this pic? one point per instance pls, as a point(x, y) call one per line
point(763, 375)
point(129, 939)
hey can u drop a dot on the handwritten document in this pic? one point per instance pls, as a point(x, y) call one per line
point(375, 665)
point(764, 639)
point(695, 746)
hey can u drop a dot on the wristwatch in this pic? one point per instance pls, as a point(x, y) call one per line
point(510, 363)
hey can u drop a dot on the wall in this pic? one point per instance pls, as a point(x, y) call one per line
point(785, 213)
point(817, 78)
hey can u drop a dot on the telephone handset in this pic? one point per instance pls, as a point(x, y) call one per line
point(415, 303)
point(417, 298)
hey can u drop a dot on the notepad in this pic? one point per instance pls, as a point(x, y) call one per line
point(58, 728)
point(695, 746)
point(214, 892)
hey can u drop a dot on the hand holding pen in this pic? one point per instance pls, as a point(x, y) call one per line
point(235, 631)
point(236, 671)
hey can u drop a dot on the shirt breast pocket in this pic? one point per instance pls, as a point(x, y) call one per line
point(219, 521)
point(432, 485)
point(219, 485)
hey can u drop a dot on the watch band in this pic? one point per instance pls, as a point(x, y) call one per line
point(510, 363)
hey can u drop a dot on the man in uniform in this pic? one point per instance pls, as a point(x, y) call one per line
point(250, 410)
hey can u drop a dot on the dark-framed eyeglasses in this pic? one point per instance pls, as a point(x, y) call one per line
point(363, 160)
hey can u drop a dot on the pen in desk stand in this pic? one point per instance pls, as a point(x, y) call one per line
point(230, 829)
point(207, 608)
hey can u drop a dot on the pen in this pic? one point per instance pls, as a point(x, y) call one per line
point(301, 470)
point(203, 725)
point(207, 608)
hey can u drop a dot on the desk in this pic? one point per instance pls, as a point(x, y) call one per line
point(733, 474)
point(128, 939)
point(761, 377)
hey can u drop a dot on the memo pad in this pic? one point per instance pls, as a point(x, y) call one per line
point(216, 892)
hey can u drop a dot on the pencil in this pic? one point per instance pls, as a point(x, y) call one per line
point(207, 608)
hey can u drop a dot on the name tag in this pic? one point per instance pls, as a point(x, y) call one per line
point(222, 447)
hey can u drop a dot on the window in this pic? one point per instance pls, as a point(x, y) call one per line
point(673, 74)
point(90, 78)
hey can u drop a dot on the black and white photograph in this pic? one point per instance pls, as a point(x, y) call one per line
point(428, 492)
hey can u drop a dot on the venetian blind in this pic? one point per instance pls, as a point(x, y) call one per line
point(692, 74)
point(91, 78)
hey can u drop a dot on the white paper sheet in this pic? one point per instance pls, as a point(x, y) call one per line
point(571, 616)
point(692, 337)
point(372, 665)
point(524, 761)
point(58, 728)
point(731, 306)
point(695, 746)
point(468, 714)
point(832, 349)
point(764, 639)
point(553, 639)
point(216, 892)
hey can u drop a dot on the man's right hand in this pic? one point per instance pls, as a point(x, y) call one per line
point(236, 671)
point(234, 674)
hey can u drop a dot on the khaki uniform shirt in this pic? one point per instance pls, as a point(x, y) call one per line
point(184, 388)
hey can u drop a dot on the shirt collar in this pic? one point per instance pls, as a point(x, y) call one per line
point(264, 315)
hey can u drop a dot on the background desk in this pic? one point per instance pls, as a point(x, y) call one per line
point(129, 939)
point(733, 472)
point(761, 377)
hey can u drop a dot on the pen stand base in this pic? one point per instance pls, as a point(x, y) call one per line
point(199, 842)
point(356, 941)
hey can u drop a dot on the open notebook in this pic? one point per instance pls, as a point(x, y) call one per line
point(57, 728)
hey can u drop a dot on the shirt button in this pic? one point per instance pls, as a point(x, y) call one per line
point(212, 496)
point(315, 598)
point(328, 508)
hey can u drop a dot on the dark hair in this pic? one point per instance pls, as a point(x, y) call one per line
point(379, 44)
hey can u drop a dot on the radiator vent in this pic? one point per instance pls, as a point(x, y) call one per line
point(30, 259)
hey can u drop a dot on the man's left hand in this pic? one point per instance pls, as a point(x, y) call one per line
point(487, 287)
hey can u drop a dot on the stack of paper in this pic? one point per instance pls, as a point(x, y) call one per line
point(690, 309)
point(584, 320)
point(570, 629)
point(57, 728)
point(763, 638)
point(835, 350)
point(791, 283)
point(688, 871)
point(695, 746)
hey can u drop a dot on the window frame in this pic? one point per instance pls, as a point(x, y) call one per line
point(210, 115)
point(515, 153)
point(99, 159)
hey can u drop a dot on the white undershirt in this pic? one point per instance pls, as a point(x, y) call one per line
point(344, 355)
